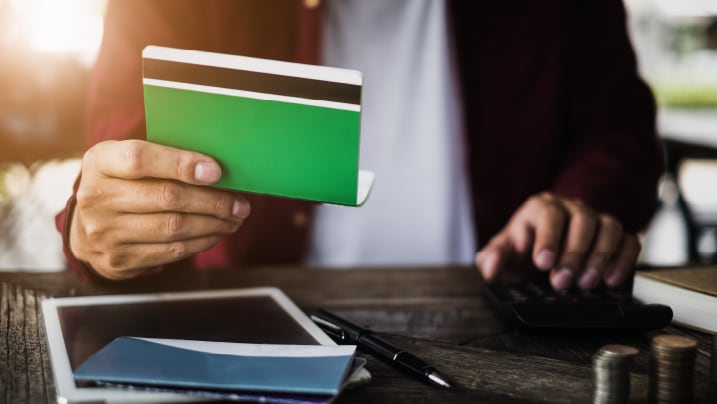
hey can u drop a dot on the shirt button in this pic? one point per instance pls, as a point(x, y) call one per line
point(312, 4)
point(299, 219)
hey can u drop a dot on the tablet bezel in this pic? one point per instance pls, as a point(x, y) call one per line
point(66, 389)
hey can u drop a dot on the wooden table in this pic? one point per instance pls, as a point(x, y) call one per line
point(436, 312)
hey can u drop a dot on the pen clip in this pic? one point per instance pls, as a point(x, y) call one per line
point(330, 328)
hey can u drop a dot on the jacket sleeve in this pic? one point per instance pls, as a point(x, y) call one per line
point(615, 159)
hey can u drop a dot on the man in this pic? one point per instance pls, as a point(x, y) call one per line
point(535, 136)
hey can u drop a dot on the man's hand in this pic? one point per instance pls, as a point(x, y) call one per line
point(141, 205)
point(576, 244)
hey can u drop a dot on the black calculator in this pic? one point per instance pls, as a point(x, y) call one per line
point(533, 304)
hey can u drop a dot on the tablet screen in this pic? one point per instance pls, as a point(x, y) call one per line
point(250, 319)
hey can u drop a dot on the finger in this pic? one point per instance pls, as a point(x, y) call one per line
point(547, 218)
point(623, 264)
point(170, 227)
point(135, 159)
point(582, 225)
point(560, 279)
point(491, 260)
point(135, 259)
point(151, 196)
point(608, 237)
point(127, 273)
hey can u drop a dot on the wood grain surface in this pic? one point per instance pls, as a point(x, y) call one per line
point(435, 312)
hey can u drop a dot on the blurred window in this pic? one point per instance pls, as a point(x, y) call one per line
point(48, 48)
point(676, 45)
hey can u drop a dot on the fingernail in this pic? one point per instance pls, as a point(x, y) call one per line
point(563, 278)
point(240, 210)
point(589, 279)
point(486, 265)
point(207, 172)
point(545, 260)
point(479, 259)
point(615, 278)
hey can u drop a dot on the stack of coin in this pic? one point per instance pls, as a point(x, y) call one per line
point(672, 369)
point(611, 374)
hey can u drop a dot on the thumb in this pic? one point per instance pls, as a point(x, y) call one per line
point(134, 159)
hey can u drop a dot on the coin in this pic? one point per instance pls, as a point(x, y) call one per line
point(672, 362)
point(618, 350)
point(611, 373)
point(674, 342)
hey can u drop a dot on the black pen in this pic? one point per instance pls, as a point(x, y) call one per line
point(346, 332)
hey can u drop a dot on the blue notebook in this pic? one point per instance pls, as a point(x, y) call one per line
point(220, 366)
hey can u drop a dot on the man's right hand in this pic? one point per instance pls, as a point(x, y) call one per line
point(141, 205)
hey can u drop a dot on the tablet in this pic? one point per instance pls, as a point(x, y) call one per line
point(77, 327)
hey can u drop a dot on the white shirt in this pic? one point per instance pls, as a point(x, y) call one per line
point(419, 211)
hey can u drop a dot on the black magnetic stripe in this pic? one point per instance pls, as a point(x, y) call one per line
point(252, 81)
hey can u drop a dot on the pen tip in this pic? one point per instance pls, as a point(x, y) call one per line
point(438, 380)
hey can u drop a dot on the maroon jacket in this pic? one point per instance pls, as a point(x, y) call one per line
point(551, 93)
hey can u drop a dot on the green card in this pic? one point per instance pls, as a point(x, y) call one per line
point(277, 128)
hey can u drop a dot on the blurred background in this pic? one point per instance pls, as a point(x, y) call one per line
point(48, 48)
point(676, 46)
